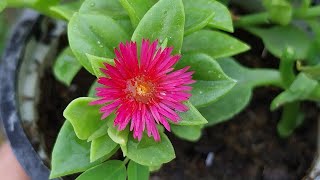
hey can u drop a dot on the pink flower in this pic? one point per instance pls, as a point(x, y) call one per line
point(144, 92)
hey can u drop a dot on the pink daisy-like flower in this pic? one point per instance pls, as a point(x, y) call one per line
point(144, 92)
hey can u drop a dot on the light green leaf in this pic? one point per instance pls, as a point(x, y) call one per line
point(94, 34)
point(164, 20)
point(70, 154)
point(137, 171)
point(205, 67)
point(190, 133)
point(300, 89)
point(214, 43)
point(279, 38)
point(191, 117)
point(84, 118)
point(120, 137)
point(66, 10)
point(207, 92)
point(110, 170)
point(137, 9)
point(198, 15)
point(97, 63)
point(102, 147)
point(3, 4)
point(239, 96)
point(66, 67)
point(102, 130)
point(148, 152)
point(111, 8)
point(222, 18)
point(279, 11)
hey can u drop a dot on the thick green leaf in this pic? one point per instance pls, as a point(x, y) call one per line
point(214, 43)
point(102, 130)
point(137, 171)
point(97, 63)
point(84, 118)
point(70, 154)
point(111, 8)
point(222, 18)
point(279, 38)
point(205, 67)
point(66, 10)
point(191, 117)
point(279, 11)
point(164, 20)
point(120, 137)
point(300, 89)
point(94, 34)
point(137, 9)
point(3, 4)
point(207, 92)
point(311, 71)
point(239, 96)
point(148, 152)
point(66, 67)
point(110, 170)
point(198, 15)
point(102, 147)
point(190, 133)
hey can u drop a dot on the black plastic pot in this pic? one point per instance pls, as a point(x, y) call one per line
point(25, 29)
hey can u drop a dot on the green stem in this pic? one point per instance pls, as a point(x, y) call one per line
point(265, 77)
point(262, 18)
point(286, 67)
point(126, 160)
point(290, 119)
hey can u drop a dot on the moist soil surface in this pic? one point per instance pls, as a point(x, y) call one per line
point(245, 147)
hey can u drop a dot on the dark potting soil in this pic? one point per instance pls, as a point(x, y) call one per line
point(245, 147)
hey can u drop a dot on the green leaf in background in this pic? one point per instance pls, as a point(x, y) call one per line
point(97, 63)
point(279, 38)
point(222, 17)
point(214, 43)
point(137, 9)
point(191, 117)
point(148, 152)
point(111, 8)
point(110, 170)
point(137, 171)
point(66, 10)
point(94, 34)
point(190, 133)
point(84, 118)
point(3, 4)
point(279, 11)
point(311, 71)
point(198, 15)
point(70, 154)
point(239, 96)
point(291, 118)
point(301, 89)
point(3, 32)
point(66, 67)
point(103, 146)
point(92, 90)
point(164, 20)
